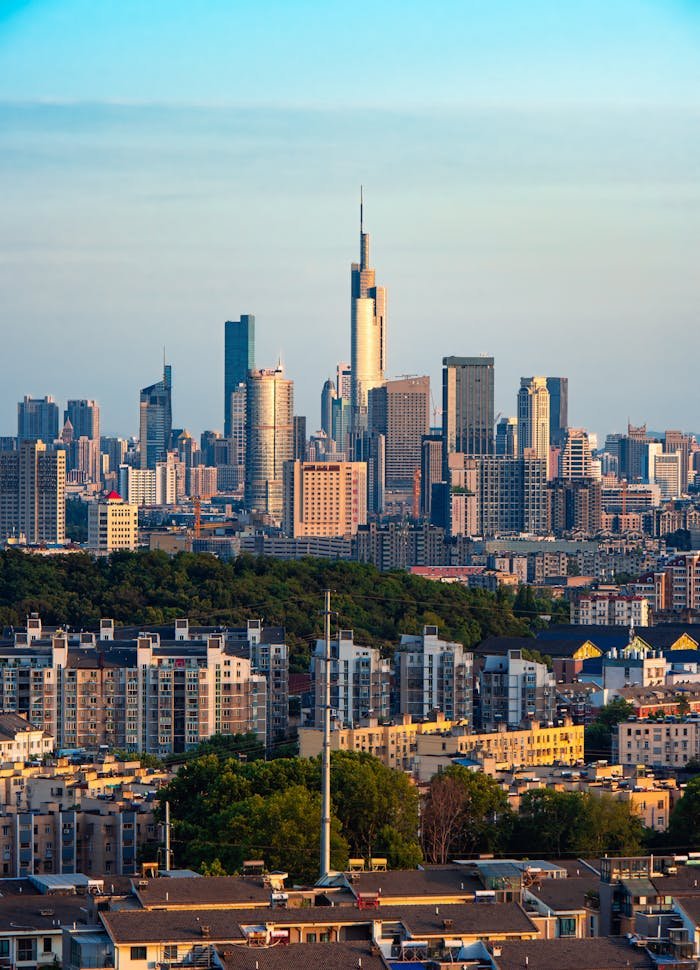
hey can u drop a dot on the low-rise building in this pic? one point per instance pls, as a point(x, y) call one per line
point(490, 751)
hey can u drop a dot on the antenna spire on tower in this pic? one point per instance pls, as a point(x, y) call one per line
point(362, 209)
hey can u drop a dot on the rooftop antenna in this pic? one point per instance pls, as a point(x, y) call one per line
point(362, 209)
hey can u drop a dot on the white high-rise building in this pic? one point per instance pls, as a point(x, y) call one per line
point(533, 417)
point(367, 331)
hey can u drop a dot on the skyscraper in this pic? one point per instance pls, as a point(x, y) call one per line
point(467, 405)
point(84, 418)
point(367, 331)
point(533, 417)
point(37, 419)
point(558, 388)
point(400, 410)
point(155, 419)
point(239, 358)
point(33, 494)
point(507, 437)
point(328, 395)
point(269, 439)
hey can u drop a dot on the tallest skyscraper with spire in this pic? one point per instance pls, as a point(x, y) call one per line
point(367, 330)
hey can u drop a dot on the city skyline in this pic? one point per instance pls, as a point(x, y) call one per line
point(534, 199)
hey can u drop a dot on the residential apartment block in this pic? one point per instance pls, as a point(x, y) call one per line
point(360, 682)
point(142, 692)
point(431, 674)
point(513, 691)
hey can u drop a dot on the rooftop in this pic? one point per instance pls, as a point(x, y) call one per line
point(593, 953)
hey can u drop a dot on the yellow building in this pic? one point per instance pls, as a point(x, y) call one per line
point(500, 749)
point(112, 524)
point(425, 747)
point(394, 744)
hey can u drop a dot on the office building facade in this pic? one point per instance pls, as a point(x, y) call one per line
point(239, 359)
point(400, 410)
point(558, 388)
point(467, 405)
point(33, 494)
point(533, 417)
point(37, 419)
point(269, 439)
point(155, 420)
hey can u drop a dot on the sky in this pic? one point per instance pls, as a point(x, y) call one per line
point(532, 190)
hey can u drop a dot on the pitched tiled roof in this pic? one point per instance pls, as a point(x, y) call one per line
point(595, 953)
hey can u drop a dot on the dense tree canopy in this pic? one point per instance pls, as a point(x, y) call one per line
point(562, 823)
point(150, 588)
point(224, 812)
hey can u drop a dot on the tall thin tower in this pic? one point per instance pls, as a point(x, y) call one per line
point(367, 330)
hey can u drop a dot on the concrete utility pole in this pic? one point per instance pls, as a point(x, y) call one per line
point(167, 836)
point(326, 751)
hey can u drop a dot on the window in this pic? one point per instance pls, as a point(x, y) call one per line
point(26, 950)
point(46, 948)
point(567, 926)
point(138, 952)
point(4, 948)
point(170, 953)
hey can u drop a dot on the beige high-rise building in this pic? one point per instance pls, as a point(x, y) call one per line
point(400, 410)
point(269, 439)
point(575, 462)
point(33, 494)
point(533, 417)
point(324, 498)
point(112, 524)
point(367, 331)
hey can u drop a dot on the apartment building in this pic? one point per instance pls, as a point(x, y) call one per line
point(431, 674)
point(141, 693)
point(360, 682)
point(606, 609)
point(513, 690)
point(666, 743)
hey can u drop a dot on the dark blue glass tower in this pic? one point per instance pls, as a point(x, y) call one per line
point(239, 358)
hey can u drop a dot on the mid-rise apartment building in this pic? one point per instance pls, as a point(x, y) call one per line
point(431, 674)
point(610, 609)
point(140, 694)
point(661, 743)
point(360, 682)
point(513, 691)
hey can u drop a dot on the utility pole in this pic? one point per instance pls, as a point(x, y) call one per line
point(167, 836)
point(326, 751)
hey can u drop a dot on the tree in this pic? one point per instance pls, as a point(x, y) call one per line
point(465, 812)
point(289, 831)
point(377, 807)
point(576, 823)
point(598, 735)
point(442, 818)
point(684, 827)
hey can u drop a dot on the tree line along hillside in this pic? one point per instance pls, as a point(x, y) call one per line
point(150, 589)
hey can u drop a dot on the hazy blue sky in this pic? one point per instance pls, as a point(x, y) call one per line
point(532, 179)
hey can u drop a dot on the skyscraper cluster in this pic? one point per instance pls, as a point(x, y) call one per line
point(384, 452)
